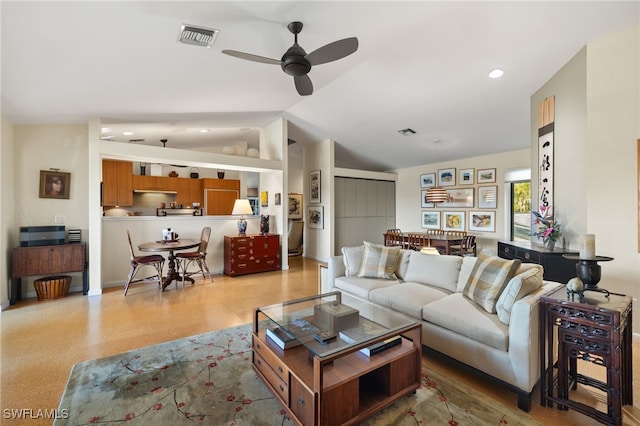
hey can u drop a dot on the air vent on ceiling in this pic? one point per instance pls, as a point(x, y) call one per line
point(407, 132)
point(136, 140)
point(197, 36)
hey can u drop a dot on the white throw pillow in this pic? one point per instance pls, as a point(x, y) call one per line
point(352, 258)
point(379, 261)
point(438, 271)
point(522, 284)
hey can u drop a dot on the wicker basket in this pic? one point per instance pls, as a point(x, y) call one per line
point(52, 287)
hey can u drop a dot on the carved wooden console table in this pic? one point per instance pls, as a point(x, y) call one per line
point(595, 329)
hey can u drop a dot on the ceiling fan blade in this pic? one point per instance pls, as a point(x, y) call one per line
point(333, 51)
point(250, 57)
point(304, 86)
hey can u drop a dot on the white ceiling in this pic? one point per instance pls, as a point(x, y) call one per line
point(420, 64)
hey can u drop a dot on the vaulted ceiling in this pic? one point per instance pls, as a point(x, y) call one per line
point(421, 65)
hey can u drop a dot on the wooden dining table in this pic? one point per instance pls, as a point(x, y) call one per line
point(445, 240)
point(171, 246)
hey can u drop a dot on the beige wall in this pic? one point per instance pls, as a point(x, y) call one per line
point(8, 238)
point(597, 97)
point(41, 148)
point(408, 193)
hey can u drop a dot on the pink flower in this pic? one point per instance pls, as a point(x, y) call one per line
point(158, 406)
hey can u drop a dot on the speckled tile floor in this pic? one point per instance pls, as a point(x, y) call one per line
point(41, 340)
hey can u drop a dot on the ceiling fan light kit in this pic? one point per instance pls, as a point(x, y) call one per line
point(297, 63)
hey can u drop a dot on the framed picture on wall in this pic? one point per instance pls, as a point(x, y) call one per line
point(314, 186)
point(316, 217)
point(486, 175)
point(488, 197)
point(453, 221)
point(264, 199)
point(423, 200)
point(427, 180)
point(295, 206)
point(54, 184)
point(458, 198)
point(447, 177)
point(431, 220)
point(466, 177)
point(482, 221)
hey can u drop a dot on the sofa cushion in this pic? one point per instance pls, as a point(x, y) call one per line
point(352, 257)
point(461, 315)
point(468, 262)
point(488, 278)
point(362, 286)
point(379, 261)
point(438, 271)
point(519, 286)
point(408, 298)
point(403, 264)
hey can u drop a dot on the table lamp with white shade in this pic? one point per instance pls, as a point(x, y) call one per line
point(242, 207)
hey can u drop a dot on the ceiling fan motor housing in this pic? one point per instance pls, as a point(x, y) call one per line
point(294, 62)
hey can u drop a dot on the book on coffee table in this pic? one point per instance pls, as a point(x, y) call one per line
point(281, 338)
point(381, 346)
point(364, 331)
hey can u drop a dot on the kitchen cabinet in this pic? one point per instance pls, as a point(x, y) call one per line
point(248, 254)
point(220, 195)
point(195, 191)
point(144, 183)
point(184, 195)
point(117, 183)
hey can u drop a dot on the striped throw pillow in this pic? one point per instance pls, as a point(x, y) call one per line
point(379, 261)
point(488, 279)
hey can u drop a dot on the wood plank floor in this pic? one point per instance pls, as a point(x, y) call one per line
point(41, 340)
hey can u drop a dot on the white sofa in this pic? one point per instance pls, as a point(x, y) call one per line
point(431, 289)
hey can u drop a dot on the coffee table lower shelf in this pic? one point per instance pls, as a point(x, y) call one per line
point(342, 389)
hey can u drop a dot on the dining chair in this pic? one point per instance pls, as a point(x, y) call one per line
point(417, 240)
point(155, 260)
point(393, 237)
point(434, 231)
point(199, 256)
point(466, 248)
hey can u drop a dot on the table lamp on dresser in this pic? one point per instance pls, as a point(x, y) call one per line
point(242, 207)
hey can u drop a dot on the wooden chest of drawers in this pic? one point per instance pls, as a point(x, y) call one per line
point(248, 254)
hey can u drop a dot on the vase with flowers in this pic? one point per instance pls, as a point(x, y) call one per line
point(546, 227)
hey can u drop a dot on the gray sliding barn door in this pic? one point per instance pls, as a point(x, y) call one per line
point(364, 210)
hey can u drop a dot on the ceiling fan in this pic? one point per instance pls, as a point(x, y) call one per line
point(298, 63)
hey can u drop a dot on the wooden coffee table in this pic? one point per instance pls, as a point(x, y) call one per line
point(334, 383)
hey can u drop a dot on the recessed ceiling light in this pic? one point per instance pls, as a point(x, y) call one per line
point(496, 73)
point(127, 133)
point(204, 130)
point(407, 132)
point(105, 130)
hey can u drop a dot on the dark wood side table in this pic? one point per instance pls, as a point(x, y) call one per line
point(596, 329)
point(556, 266)
point(47, 260)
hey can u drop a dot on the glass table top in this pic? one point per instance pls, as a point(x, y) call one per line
point(325, 325)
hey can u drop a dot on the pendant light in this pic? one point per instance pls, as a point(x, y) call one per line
point(436, 194)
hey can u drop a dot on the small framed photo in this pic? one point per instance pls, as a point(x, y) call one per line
point(431, 220)
point(54, 184)
point(482, 221)
point(486, 175)
point(466, 177)
point(427, 180)
point(316, 217)
point(278, 199)
point(453, 221)
point(295, 206)
point(447, 177)
point(488, 197)
point(458, 198)
point(314, 186)
point(423, 200)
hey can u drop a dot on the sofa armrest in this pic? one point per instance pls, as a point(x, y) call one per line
point(335, 269)
point(524, 343)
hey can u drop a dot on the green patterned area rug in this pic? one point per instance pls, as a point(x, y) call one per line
point(208, 379)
